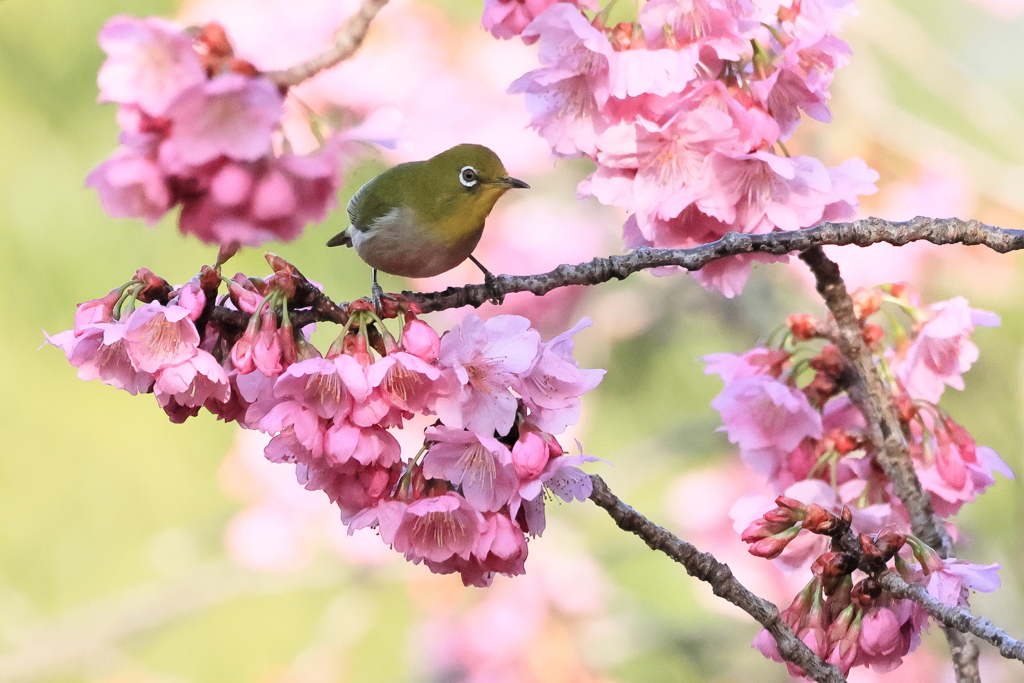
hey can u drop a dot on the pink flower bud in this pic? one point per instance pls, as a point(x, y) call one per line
point(771, 547)
point(96, 311)
point(243, 294)
point(192, 298)
point(420, 339)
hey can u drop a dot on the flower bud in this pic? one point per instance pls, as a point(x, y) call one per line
point(830, 361)
point(872, 560)
point(772, 546)
point(872, 334)
point(832, 568)
point(820, 521)
point(866, 592)
point(929, 559)
point(905, 408)
point(889, 541)
point(803, 326)
point(866, 302)
point(243, 294)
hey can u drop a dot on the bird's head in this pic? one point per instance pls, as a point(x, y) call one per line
point(470, 178)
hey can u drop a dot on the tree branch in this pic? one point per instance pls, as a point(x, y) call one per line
point(954, 617)
point(346, 41)
point(875, 401)
point(863, 233)
point(706, 568)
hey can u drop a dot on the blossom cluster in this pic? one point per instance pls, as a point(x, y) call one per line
point(465, 503)
point(685, 111)
point(197, 127)
point(787, 410)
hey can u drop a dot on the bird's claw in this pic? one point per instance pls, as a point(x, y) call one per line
point(377, 297)
point(496, 293)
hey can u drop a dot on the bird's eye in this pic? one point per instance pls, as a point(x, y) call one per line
point(468, 176)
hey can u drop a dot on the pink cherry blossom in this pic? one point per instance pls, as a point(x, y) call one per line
point(298, 431)
point(947, 498)
point(96, 311)
point(507, 18)
point(420, 339)
point(565, 94)
point(192, 383)
point(159, 336)
point(632, 73)
point(485, 360)
point(255, 202)
point(501, 549)
point(942, 350)
point(372, 445)
point(888, 634)
point(719, 26)
point(480, 464)
point(131, 186)
point(406, 381)
point(766, 419)
point(731, 366)
point(354, 488)
point(759, 192)
point(99, 352)
point(327, 386)
point(671, 156)
point(191, 297)
point(149, 61)
point(552, 388)
point(562, 477)
point(242, 350)
point(438, 528)
point(951, 583)
point(530, 456)
point(230, 115)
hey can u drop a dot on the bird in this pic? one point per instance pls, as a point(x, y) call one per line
point(422, 218)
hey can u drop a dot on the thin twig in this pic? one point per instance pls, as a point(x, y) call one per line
point(706, 568)
point(875, 401)
point(347, 40)
point(954, 617)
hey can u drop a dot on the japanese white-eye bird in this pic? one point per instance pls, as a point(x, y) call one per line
point(422, 218)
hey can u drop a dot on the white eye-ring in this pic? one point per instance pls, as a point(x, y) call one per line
point(468, 176)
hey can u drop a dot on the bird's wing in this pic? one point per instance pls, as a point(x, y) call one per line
point(353, 208)
point(367, 206)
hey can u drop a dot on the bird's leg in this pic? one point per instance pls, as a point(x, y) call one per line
point(491, 282)
point(376, 294)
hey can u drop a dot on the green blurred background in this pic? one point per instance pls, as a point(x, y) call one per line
point(112, 560)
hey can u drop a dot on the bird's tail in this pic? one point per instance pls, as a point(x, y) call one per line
point(342, 239)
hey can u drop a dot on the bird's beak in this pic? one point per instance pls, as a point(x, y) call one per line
point(509, 183)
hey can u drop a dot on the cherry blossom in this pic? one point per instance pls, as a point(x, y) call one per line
point(485, 360)
point(149, 61)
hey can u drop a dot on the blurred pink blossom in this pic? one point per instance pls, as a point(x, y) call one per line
point(283, 526)
point(149, 61)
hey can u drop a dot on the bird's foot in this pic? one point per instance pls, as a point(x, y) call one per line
point(495, 291)
point(377, 297)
